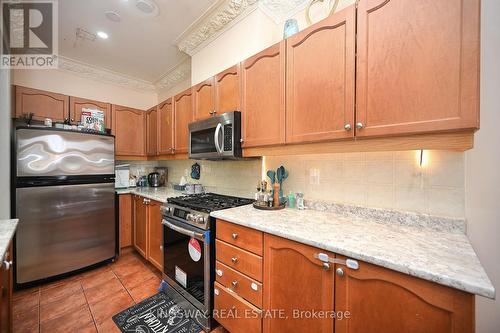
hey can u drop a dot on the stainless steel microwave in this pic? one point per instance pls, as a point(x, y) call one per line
point(216, 138)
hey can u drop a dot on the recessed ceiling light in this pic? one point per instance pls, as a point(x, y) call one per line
point(147, 7)
point(102, 35)
point(113, 16)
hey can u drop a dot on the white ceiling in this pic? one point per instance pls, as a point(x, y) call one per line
point(139, 46)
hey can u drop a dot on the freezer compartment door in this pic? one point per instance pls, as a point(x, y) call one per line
point(58, 153)
point(63, 228)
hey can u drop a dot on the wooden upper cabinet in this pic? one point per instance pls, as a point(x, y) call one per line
point(165, 127)
point(42, 104)
point(382, 300)
point(152, 131)
point(419, 73)
point(320, 80)
point(263, 97)
point(204, 99)
point(227, 90)
point(295, 280)
point(183, 115)
point(76, 105)
point(129, 130)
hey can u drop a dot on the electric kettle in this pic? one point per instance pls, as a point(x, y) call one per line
point(154, 179)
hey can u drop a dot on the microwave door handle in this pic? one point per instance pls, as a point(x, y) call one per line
point(183, 231)
point(216, 138)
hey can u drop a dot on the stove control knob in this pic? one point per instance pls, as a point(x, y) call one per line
point(189, 217)
point(168, 210)
point(200, 219)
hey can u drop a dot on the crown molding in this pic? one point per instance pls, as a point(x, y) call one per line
point(221, 16)
point(175, 75)
point(281, 10)
point(103, 75)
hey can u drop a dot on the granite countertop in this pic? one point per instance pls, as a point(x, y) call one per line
point(160, 194)
point(7, 230)
point(443, 256)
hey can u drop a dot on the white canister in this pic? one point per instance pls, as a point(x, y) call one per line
point(198, 188)
point(47, 122)
point(190, 188)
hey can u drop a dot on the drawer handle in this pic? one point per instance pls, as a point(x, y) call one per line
point(234, 283)
point(234, 260)
point(235, 235)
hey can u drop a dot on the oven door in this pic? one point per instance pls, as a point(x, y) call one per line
point(187, 261)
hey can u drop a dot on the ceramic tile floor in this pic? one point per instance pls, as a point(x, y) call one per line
point(86, 302)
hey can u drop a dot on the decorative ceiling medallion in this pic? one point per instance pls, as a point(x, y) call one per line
point(103, 75)
point(281, 10)
point(176, 75)
point(219, 17)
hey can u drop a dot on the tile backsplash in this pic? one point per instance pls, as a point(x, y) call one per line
point(393, 180)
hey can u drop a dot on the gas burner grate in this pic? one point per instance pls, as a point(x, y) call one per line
point(208, 202)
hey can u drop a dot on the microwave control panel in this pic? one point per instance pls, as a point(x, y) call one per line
point(228, 137)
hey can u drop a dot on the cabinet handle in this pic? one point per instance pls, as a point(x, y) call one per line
point(210, 112)
point(161, 248)
point(234, 260)
point(241, 140)
point(340, 272)
point(7, 264)
point(359, 125)
point(235, 235)
point(214, 112)
point(347, 127)
point(234, 283)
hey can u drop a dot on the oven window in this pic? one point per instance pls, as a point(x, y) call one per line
point(184, 262)
point(203, 141)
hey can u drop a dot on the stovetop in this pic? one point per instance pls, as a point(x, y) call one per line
point(208, 202)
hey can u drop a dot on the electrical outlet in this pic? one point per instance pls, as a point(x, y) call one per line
point(314, 176)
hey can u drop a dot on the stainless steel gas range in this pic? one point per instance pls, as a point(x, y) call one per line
point(189, 246)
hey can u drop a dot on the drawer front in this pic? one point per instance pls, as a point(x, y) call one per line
point(234, 313)
point(246, 238)
point(240, 260)
point(245, 287)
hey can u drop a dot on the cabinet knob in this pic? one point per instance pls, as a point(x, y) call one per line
point(234, 283)
point(214, 112)
point(241, 140)
point(235, 235)
point(210, 112)
point(359, 125)
point(347, 127)
point(326, 266)
point(339, 271)
point(7, 264)
point(234, 260)
point(161, 248)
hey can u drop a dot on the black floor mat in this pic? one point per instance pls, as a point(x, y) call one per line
point(164, 312)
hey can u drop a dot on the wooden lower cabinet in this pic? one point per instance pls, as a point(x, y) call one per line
point(155, 235)
point(382, 300)
point(296, 283)
point(126, 216)
point(141, 225)
point(148, 230)
point(6, 293)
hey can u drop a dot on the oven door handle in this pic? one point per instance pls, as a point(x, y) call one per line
point(216, 138)
point(183, 231)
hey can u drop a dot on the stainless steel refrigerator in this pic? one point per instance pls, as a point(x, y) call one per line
point(65, 201)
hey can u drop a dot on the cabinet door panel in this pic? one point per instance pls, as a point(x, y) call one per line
point(126, 218)
point(152, 131)
point(419, 73)
point(42, 104)
point(295, 281)
point(165, 127)
point(183, 115)
point(155, 234)
point(381, 300)
point(227, 90)
point(76, 105)
point(129, 130)
point(203, 99)
point(320, 80)
point(140, 226)
point(263, 97)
